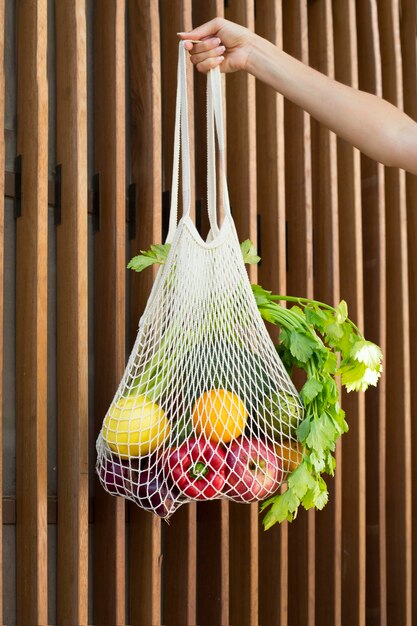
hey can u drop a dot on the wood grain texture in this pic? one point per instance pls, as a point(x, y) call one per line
point(327, 289)
point(397, 362)
point(351, 289)
point(374, 283)
point(180, 537)
point(109, 291)
point(273, 544)
point(298, 190)
point(31, 315)
point(213, 517)
point(146, 174)
point(2, 196)
point(72, 326)
point(241, 167)
point(408, 25)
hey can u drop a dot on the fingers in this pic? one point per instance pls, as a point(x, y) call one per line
point(205, 30)
point(209, 64)
point(209, 53)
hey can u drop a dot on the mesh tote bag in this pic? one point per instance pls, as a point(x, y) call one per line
point(205, 408)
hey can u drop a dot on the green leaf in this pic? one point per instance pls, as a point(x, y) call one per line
point(310, 390)
point(300, 480)
point(333, 331)
point(330, 364)
point(301, 346)
point(367, 352)
point(317, 461)
point(322, 434)
point(249, 253)
point(322, 497)
point(304, 429)
point(283, 508)
point(341, 312)
point(157, 253)
point(316, 317)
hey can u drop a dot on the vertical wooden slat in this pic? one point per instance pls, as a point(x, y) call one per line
point(301, 534)
point(213, 517)
point(351, 289)
point(374, 283)
point(179, 594)
point(409, 54)
point(146, 173)
point(397, 362)
point(2, 164)
point(326, 288)
point(72, 327)
point(109, 291)
point(241, 134)
point(31, 314)
point(273, 548)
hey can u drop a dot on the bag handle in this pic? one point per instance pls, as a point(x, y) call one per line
point(181, 146)
point(215, 126)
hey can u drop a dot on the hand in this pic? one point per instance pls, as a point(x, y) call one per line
point(223, 43)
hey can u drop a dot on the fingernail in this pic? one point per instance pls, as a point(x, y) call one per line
point(220, 59)
point(181, 33)
point(218, 41)
point(222, 48)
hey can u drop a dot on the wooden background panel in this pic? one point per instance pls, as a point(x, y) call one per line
point(301, 535)
point(2, 203)
point(326, 288)
point(408, 26)
point(109, 292)
point(146, 174)
point(241, 162)
point(180, 537)
point(31, 318)
point(374, 263)
point(351, 289)
point(397, 361)
point(273, 545)
point(72, 327)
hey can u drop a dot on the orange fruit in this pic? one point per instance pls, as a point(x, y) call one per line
point(290, 453)
point(220, 415)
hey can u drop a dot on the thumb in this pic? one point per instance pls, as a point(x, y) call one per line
point(205, 30)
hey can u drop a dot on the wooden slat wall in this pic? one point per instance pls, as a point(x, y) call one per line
point(374, 281)
point(2, 164)
point(351, 289)
point(31, 318)
point(146, 174)
point(398, 477)
point(72, 327)
point(408, 25)
point(109, 291)
point(273, 546)
point(298, 190)
point(328, 221)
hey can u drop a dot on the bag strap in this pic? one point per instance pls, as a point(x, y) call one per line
point(215, 124)
point(181, 146)
point(181, 143)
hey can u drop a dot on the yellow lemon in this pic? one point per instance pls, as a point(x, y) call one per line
point(135, 427)
point(220, 415)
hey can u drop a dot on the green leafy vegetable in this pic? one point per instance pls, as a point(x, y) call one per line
point(323, 342)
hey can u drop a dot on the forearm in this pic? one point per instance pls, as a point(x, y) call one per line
point(364, 120)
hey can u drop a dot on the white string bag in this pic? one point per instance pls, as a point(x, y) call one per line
point(205, 408)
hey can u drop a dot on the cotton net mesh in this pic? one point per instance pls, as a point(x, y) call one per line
point(205, 408)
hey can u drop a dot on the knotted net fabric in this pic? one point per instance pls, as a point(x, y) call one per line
point(205, 408)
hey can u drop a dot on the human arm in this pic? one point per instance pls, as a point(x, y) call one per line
point(376, 127)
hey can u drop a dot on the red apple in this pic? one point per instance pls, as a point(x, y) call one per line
point(253, 470)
